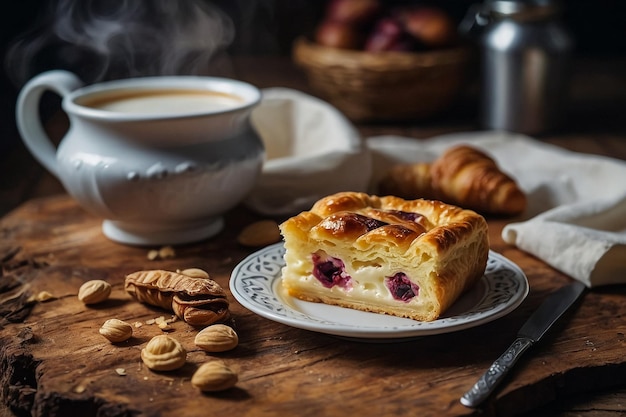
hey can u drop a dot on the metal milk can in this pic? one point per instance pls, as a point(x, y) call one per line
point(525, 64)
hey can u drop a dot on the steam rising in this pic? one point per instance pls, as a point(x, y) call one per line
point(108, 39)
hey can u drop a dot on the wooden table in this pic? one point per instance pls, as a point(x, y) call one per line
point(55, 363)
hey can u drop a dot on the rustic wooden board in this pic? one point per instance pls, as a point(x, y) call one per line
point(53, 362)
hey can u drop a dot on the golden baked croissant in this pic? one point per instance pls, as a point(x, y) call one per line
point(463, 176)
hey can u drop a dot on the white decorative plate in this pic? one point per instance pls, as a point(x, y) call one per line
point(256, 284)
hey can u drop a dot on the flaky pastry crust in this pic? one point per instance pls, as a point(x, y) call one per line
point(408, 258)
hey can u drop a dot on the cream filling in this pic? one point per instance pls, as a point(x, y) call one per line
point(367, 283)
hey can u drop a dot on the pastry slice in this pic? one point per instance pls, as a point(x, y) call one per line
point(384, 254)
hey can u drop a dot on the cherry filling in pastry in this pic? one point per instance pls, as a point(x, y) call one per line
point(405, 215)
point(400, 287)
point(330, 271)
point(370, 223)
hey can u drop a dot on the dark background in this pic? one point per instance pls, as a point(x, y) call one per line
point(269, 27)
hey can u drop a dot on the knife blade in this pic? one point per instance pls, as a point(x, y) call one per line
point(552, 308)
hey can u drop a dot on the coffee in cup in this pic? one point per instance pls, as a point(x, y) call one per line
point(162, 101)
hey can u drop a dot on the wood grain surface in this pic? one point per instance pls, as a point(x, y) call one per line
point(55, 363)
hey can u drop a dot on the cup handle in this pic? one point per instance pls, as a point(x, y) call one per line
point(27, 113)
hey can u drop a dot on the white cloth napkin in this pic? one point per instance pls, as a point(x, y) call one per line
point(576, 217)
point(312, 151)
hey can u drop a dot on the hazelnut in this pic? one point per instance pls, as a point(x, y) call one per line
point(164, 353)
point(195, 273)
point(94, 291)
point(217, 338)
point(214, 376)
point(261, 233)
point(116, 330)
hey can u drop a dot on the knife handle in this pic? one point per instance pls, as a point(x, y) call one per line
point(487, 383)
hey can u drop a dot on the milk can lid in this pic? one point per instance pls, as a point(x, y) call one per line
point(522, 8)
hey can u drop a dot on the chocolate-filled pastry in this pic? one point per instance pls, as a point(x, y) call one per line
point(197, 301)
point(384, 254)
point(463, 176)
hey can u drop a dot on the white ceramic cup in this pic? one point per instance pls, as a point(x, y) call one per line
point(161, 159)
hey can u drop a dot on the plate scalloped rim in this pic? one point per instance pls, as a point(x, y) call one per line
point(255, 284)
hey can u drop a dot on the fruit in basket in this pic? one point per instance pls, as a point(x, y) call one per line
point(388, 35)
point(369, 25)
point(353, 12)
point(430, 25)
point(338, 35)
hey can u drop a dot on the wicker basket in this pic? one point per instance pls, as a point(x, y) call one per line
point(384, 86)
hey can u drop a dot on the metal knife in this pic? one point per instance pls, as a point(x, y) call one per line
point(535, 327)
